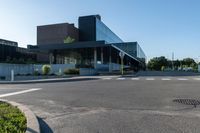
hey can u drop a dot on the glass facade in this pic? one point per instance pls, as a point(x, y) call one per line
point(9, 52)
point(140, 53)
point(133, 49)
point(104, 33)
point(91, 28)
point(81, 57)
point(8, 43)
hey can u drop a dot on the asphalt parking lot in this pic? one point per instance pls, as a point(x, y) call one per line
point(112, 105)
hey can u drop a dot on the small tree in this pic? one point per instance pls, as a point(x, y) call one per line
point(162, 68)
point(8, 59)
point(46, 69)
point(72, 71)
point(69, 40)
point(194, 67)
point(21, 61)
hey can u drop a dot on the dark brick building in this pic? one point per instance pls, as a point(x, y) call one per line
point(56, 33)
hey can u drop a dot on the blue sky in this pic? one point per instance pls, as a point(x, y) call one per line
point(160, 26)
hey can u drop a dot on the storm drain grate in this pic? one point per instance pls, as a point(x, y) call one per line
point(188, 102)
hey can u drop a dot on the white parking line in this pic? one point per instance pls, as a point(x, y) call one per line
point(166, 79)
point(150, 79)
point(19, 92)
point(196, 78)
point(135, 78)
point(182, 79)
point(120, 78)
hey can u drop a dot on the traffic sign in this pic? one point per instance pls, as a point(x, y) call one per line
point(121, 54)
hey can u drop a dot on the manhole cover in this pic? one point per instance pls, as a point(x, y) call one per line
point(188, 102)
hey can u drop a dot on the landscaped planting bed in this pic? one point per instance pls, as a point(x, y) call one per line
point(12, 120)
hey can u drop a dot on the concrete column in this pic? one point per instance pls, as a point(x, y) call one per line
point(101, 55)
point(95, 58)
point(55, 57)
point(58, 59)
point(51, 58)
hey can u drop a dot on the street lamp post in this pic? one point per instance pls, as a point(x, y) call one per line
point(173, 61)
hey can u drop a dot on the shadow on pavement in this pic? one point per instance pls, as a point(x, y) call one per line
point(185, 109)
point(44, 127)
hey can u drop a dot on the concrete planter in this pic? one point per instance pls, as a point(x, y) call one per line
point(32, 122)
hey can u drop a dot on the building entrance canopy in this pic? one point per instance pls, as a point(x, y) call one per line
point(81, 45)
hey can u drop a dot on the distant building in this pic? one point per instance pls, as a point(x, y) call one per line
point(93, 44)
point(11, 53)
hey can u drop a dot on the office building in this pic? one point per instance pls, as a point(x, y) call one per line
point(91, 45)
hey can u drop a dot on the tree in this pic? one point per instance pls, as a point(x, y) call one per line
point(177, 64)
point(188, 62)
point(21, 61)
point(68, 39)
point(194, 66)
point(14, 60)
point(8, 59)
point(157, 62)
point(160, 63)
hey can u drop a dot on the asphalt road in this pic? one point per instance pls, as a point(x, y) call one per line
point(109, 105)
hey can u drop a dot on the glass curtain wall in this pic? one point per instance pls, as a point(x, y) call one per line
point(104, 33)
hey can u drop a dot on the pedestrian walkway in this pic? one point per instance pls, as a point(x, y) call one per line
point(153, 78)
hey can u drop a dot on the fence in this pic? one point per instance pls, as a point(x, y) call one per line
point(26, 69)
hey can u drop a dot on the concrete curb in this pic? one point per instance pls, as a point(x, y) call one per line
point(48, 80)
point(32, 122)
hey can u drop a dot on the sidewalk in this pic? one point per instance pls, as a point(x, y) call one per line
point(79, 78)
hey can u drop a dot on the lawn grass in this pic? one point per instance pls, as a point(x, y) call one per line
point(12, 120)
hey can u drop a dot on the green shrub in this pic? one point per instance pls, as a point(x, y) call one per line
point(12, 120)
point(71, 71)
point(46, 69)
point(36, 72)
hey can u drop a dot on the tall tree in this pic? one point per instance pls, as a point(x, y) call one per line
point(157, 63)
point(188, 62)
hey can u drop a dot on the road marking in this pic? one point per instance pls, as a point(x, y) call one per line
point(106, 78)
point(165, 79)
point(135, 79)
point(19, 92)
point(182, 79)
point(120, 78)
point(196, 78)
point(150, 79)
